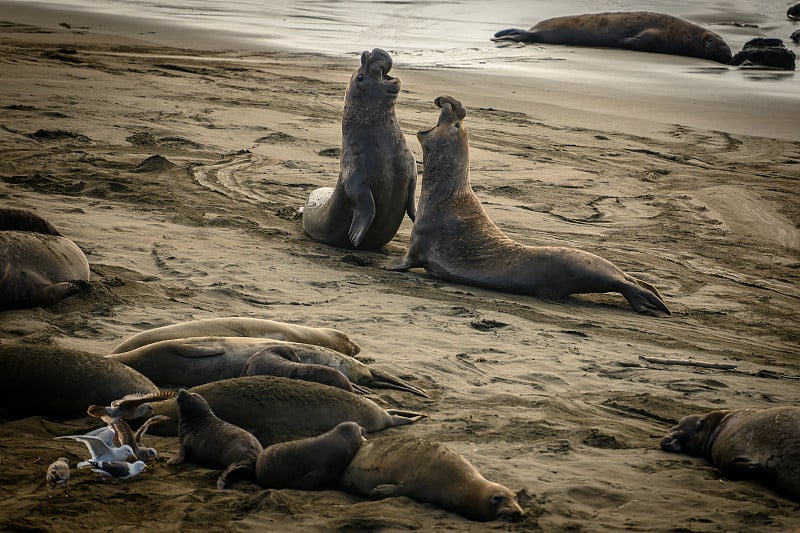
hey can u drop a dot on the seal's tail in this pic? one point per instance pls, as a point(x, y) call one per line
point(644, 297)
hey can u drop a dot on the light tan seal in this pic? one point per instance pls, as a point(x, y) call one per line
point(238, 326)
point(314, 463)
point(48, 380)
point(211, 442)
point(761, 444)
point(643, 31)
point(377, 171)
point(429, 472)
point(279, 409)
point(38, 267)
point(455, 240)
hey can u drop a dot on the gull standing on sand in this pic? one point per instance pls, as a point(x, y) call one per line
point(100, 450)
point(130, 406)
point(118, 470)
point(58, 474)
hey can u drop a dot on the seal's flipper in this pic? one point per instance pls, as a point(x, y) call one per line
point(742, 467)
point(513, 35)
point(403, 418)
point(411, 207)
point(246, 466)
point(384, 380)
point(386, 490)
point(196, 351)
point(404, 264)
point(359, 389)
point(643, 300)
point(55, 292)
point(363, 215)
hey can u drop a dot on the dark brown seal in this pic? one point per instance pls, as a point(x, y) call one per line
point(38, 267)
point(761, 444)
point(455, 240)
point(48, 380)
point(210, 441)
point(377, 173)
point(314, 463)
point(281, 409)
point(642, 31)
point(282, 361)
point(427, 472)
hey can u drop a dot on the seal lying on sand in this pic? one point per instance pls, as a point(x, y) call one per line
point(238, 326)
point(761, 444)
point(38, 267)
point(455, 240)
point(314, 463)
point(211, 442)
point(377, 173)
point(48, 380)
point(427, 472)
point(280, 409)
point(642, 31)
point(197, 360)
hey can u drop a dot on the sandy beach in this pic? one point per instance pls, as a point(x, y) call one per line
point(549, 397)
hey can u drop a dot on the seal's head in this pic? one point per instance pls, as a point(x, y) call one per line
point(694, 434)
point(371, 84)
point(352, 433)
point(495, 502)
point(191, 405)
point(714, 47)
point(445, 147)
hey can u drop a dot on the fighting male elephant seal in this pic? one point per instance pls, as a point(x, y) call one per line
point(430, 472)
point(197, 360)
point(314, 463)
point(642, 31)
point(57, 382)
point(377, 171)
point(455, 240)
point(279, 409)
point(761, 444)
point(38, 267)
point(211, 442)
point(238, 326)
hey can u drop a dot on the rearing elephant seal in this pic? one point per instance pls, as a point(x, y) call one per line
point(427, 472)
point(745, 443)
point(38, 267)
point(642, 31)
point(377, 175)
point(455, 240)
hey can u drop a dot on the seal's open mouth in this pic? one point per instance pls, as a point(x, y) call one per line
point(671, 444)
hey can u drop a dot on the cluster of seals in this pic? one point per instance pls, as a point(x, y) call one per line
point(211, 442)
point(314, 463)
point(430, 472)
point(377, 175)
point(765, 53)
point(38, 267)
point(238, 326)
point(643, 31)
point(761, 444)
point(454, 239)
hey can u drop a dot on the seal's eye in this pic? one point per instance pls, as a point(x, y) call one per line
point(497, 499)
point(360, 77)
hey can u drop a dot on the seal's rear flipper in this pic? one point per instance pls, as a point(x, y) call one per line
point(384, 380)
point(403, 418)
point(643, 299)
point(242, 468)
point(512, 34)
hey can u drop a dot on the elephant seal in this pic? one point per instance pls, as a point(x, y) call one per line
point(314, 463)
point(38, 267)
point(429, 472)
point(793, 13)
point(455, 240)
point(761, 444)
point(48, 380)
point(279, 409)
point(243, 327)
point(197, 360)
point(281, 361)
point(211, 442)
point(377, 171)
point(642, 31)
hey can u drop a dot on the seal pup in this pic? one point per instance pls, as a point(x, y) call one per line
point(48, 380)
point(100, 450)
point(281, 361)
point(38, 267)
point(454, 239)
point(761, 444)
point(280, 409)
point(117, 470)
point(427, 472)
point(197, 360)
point(130, 406)
point(238, 326)
point(377, 171)
point(643, 31)
point(57, 474)
point(211, 442)
point(314, 463)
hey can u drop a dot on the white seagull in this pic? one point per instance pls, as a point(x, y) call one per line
point(120, 470)
point(100, 450)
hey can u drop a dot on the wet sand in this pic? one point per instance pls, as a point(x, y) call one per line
point(548, 397)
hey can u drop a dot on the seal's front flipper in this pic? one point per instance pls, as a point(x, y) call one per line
point(411, 207)
point(742, 467)
point(363, 215)
point(55, 292)
point(386, 490)
point(179, 458)
point(404, 264)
